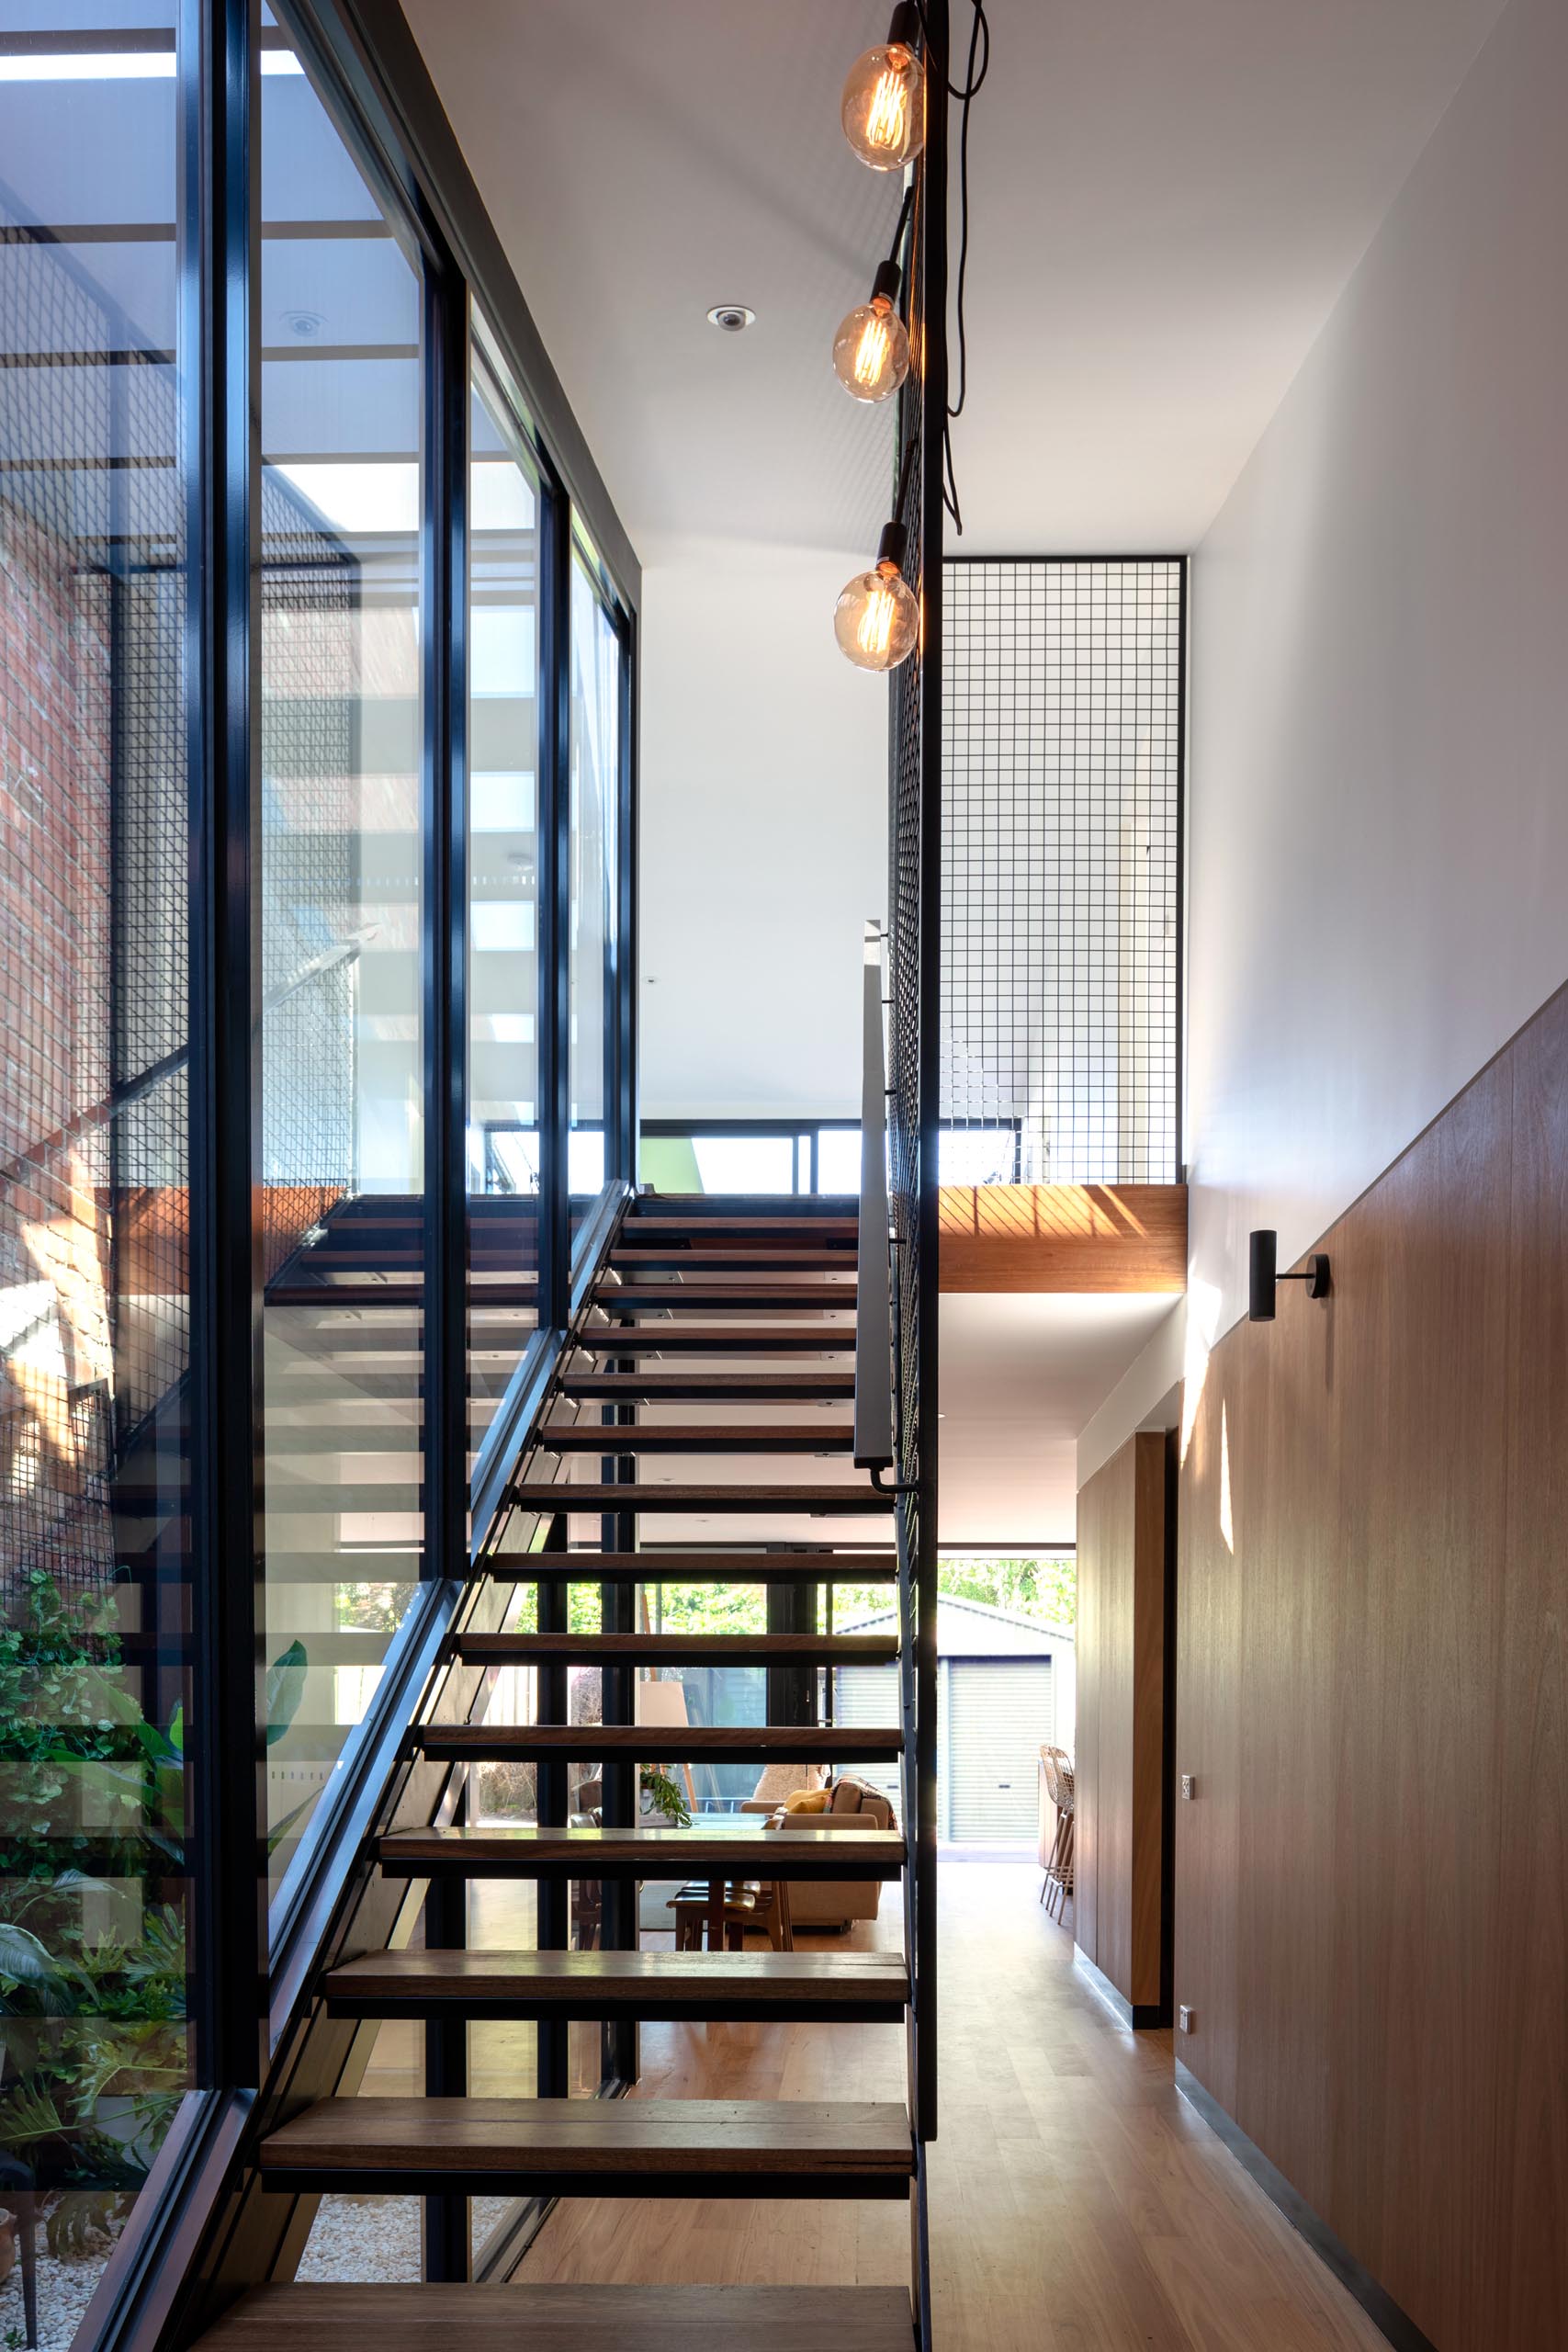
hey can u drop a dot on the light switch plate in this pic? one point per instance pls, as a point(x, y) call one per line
point(1188, 1785)
point(1184, 2019)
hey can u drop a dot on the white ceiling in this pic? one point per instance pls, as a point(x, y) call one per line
point(1168, 197)
point(1020, 1375)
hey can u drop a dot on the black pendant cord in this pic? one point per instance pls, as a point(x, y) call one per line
point(904, 212)
point(905, 470)
point(975, 70)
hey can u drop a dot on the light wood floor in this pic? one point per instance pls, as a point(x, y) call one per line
point(1077, 2204)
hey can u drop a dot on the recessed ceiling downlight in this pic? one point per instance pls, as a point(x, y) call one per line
point(731, 318)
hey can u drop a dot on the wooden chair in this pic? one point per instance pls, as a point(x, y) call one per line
point(751, 1906)
point(1057, 1883)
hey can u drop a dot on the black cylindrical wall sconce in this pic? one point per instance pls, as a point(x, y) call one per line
point(1262, 1273)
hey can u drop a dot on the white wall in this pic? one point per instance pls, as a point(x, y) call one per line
point(764, 812)
point(1147, 1397)
point(1379, 846)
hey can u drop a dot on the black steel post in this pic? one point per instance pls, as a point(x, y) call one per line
point(554, 912)
point(553, 1895)
point(219, 344)
point(933, 418)
point(621, 1798)
point(444, 978)
point(443, 919)
point(623, 1162)
point(448, 2245)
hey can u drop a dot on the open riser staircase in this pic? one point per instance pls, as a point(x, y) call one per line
point(710, 1376)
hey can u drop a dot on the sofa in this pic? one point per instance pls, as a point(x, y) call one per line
point(817, 1903)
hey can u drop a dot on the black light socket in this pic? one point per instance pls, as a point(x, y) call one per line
point(1263, 1274)
point(885, 286)
point(893, 546)
point(904, 32)
point(1263, 1247)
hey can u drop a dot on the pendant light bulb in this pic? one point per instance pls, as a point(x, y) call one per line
point(883, 105)
point(877, 619)
point(871, 350)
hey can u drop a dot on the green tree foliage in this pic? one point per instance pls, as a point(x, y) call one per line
point(1043, 1587)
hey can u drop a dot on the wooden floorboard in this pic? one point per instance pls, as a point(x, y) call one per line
point(405, 2318)
point(1077, 2204)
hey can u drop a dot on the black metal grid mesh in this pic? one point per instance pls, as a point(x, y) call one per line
point(95, 964)
point(903, 958)
point(311, 825)
point(1061, 823)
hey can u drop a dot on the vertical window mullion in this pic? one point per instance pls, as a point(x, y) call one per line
point(555, 906)
point(444, 904)
point(622, 1157)
point(220, 322)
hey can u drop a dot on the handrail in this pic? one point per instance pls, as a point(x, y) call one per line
point(873, 1300)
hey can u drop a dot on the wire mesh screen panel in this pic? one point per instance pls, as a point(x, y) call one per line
point(310, 815)
point(1061, 826)
point(907, 749)
point(910, 973)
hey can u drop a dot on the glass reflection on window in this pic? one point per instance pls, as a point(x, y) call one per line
point(341, 1049)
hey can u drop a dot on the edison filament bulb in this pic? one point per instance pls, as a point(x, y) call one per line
point(883, 105)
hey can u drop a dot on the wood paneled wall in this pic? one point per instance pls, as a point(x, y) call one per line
point(1371, 1917)
point(1119, 1916)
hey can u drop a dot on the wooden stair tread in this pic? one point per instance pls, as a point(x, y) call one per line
point(548, 1495)
point(682, 1743)
point(741, 1649)
point(688, 1387)
point(694, 1437)
point(647, 1298)
point(518, 1290)
point(696, 1338)
point(736, 1846)
point(807, 1256)
point(571, 2141)
point(695, 1568)
point(651, 1984)
point(334, 2317)
point(668, 1224)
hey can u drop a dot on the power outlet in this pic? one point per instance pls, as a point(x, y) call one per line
point(1188, 1785)
point(1184, 2019)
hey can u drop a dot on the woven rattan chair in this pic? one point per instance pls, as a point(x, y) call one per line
point(1057, 1883)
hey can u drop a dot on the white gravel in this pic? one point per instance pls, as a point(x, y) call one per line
point(377, 2237)
point(64, 2290)
point(354, 2237)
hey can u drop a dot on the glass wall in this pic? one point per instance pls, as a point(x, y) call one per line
point(95, 1140)
point(597, 660)
point(342, 1078)
point(202, 1241)
point(503, 1166)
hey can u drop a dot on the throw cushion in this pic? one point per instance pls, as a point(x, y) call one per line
point(846, 1796)
point(806, 1801)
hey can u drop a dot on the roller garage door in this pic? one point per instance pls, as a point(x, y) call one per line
point(996, 1712)
point(869, 1695)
